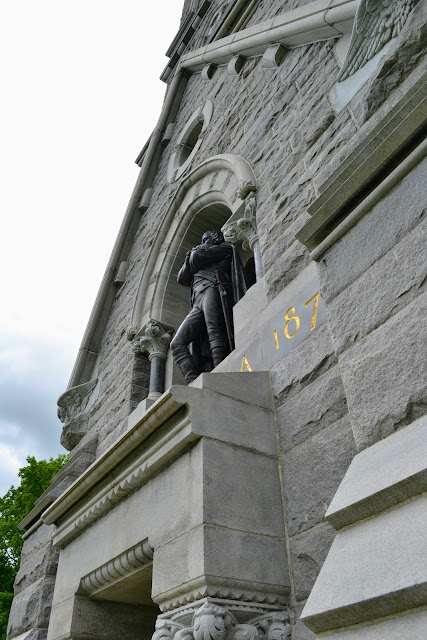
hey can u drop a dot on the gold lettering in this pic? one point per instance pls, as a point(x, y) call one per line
point(288, 318)
point(276, 340)
point(316, 302)
point(245, 366)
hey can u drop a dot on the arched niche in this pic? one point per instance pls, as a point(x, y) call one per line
point(206, 198)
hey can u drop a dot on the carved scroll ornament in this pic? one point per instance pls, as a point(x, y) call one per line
point(214, 622)
point(376, 23)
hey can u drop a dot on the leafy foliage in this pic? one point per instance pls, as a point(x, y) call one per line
point(14, 506)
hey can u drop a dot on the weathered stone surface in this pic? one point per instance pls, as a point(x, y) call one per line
point(286, 268)
point(303, 365)
point(303, 139)
point(308, 552)
point(312, 473)
point(405, 54)
point(284, 239)
point(317, 406)
point(31, 607)
point(36, 542)
point(37, 564)
point(388, 223)
point(74, 431)
point(375, 368)
point(397, 278)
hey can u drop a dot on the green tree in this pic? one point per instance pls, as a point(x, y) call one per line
point(14, 506)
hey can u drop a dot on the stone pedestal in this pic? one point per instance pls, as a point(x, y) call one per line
point(185, 506)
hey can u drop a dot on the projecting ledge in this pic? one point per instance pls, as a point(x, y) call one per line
point(377, 565)
point(229, 407)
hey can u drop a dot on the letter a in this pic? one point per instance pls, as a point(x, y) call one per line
point(245, 366)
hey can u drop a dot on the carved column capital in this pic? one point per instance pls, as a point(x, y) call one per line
point(210, 620)
point(243, 229)
point(154, 340)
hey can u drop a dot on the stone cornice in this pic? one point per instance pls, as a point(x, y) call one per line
point(165, 407)
point(318, 20)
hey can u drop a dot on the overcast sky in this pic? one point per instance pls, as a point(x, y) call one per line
point(80, 96)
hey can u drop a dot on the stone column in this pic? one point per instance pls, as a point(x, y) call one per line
point(244, 230)
point(154, 340)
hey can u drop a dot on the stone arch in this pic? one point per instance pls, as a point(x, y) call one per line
point(209, 195)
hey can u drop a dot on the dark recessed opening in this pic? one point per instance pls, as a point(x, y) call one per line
point(189, 143)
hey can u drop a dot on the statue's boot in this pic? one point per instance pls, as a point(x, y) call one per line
point(219, 354)
point(188, 369)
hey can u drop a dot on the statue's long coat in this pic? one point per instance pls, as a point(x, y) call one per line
point(221, 264)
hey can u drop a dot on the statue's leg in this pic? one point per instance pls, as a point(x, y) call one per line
point(186, 333)
point(215, 325)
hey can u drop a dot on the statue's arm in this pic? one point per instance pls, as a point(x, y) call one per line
point(184, 276)
point(205, 256)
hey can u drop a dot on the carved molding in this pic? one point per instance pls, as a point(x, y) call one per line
point(127, 563)
point(75, 400)
point(258, 598)
point(115, 491)
point(223, 620)
point(243, 229)
point(154, 341)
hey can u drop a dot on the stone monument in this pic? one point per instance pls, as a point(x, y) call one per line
point(281, 495)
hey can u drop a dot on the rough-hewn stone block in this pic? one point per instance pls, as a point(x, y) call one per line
point(303, 365)
point(308, 552)
point(397, 278)
point(312, 472)
point(317, 406)
point(385, 375)
point(388, 223)
point(31, 607)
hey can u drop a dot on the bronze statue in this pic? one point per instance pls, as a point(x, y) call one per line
point(214, 272)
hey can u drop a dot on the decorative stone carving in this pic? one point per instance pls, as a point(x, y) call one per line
point(73, 407)
point(212, 621)
point(243, 229)
point(75, 400)
point(245, 187)
point(126, 564)
point(155, 341)
point(376, 23)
